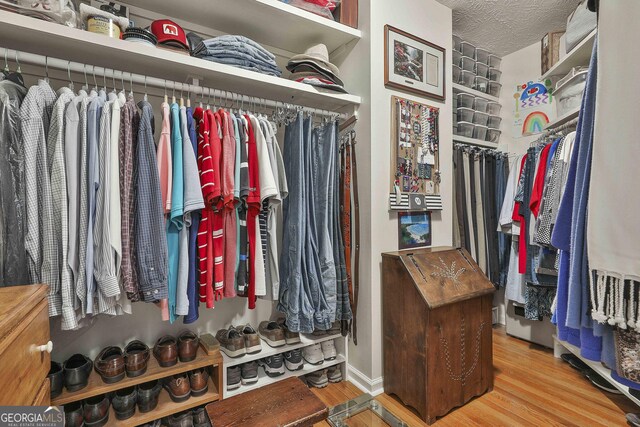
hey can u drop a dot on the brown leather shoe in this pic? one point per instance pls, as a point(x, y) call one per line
point(73, 414)
point(96, 411)
point(110, 364)
point(252, 342)
point(200, 417)
point(199, 381)
point(136, 357)
point(178, 387)
point(166, 351)
point(148, 395)
point(187, 346)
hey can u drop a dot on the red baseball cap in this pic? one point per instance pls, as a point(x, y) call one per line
point(169, 33)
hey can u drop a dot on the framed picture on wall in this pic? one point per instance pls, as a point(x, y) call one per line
point(413, 64)
point(414, 229)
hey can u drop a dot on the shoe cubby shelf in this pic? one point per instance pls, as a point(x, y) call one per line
point(268, 22)
point(165, 408)
point(596, 366)
point(154, 371)
point(461, 88)
point(264, 379)
point(267, 350)
point(35, 36)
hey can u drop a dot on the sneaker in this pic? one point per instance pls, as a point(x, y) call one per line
point(252, 341)
point(328, 350)
point(249, 372)
point(313, 354)
point(293, 360)
point(234, 377)
point(272, 333)
point(289, 337)
point(231, 342)
point(273, 365)
point(575, 362)
point(600, 382)
point(318, 379)
point(334, 374)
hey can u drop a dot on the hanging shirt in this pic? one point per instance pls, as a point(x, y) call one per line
point(243, 242)
point(175, 223)
point(60, 218)
point(254, 205)
point(227, 174)
point(164, 159)
point(215, 136)
point(193, 203)
point(151, 244)
point(205, 230)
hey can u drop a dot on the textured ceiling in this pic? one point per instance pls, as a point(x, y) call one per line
point(505, 26)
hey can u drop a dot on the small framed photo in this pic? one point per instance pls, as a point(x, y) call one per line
point(413, 64)
point(414, 229)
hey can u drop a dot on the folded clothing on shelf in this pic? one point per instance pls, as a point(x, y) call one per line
point(238, 51)
point(313, 67)
point(63, 12)
point(319, 7)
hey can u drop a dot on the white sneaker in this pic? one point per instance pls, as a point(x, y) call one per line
point(318, 379)
point(328, 350)
point(313, 354)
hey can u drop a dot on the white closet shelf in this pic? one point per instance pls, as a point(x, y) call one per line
point(461, 88)
point(566, 117)
point(474, 141)
point(270, 351)
point(58, 41)
point(264, 379)
point(598, 367)
point(579, 56)
point(269, 22)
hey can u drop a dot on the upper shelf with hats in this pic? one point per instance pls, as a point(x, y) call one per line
point(269, 22)
point(59, 41)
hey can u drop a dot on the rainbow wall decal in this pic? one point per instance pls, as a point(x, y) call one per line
point(534, 123)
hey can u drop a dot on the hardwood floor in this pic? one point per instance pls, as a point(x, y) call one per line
point(532, 388)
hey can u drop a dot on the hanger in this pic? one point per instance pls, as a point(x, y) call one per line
point(145, 98)
point(166, 99)
point(46, 69)
point(16, 77)
point(201, 96)
point(95, 82)
point(188, 96)
point(113, 78)
point(6, 70)
point(173, 96)
point(181, 95)
point(69, 75)
point(86, 83)
point(131, 85)
point(104, 80)
point(208, 98)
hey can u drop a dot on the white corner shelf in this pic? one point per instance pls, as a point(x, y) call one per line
point(269, 22)
point(58, 41)
point(474, 141)
point(566, 117)
point(579, 56)
point(267, 350)
point(264, 379)
point(596, 366)
point(461, 88)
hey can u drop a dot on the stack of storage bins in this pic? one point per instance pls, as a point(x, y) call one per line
point(478, 69)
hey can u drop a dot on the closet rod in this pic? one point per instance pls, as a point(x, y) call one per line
point(197, 90)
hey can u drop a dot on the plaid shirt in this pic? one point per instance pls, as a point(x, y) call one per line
point(35, 113)
point(130, 119)
point(151, 243)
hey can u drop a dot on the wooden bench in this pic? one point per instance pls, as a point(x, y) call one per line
point(287, 403)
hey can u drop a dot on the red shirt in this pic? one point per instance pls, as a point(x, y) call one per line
point(522, 244)
point(538, 183)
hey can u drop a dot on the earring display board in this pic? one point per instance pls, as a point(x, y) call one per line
point(415, 164)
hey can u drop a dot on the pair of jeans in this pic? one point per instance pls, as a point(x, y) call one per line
point(240, 55)
point(245, 51)
point(244, 64)
point(235, 42)
point(302, 296)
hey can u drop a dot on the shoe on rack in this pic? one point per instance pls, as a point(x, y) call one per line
point(166, 351)
point(136, 358)
point(328, 350)
point(181, 419)
point(313, 354)
point(575, 362)
point(272, 333)
point(289, 337)
point(73, 414)
point(293, 360)
point(96, 411)
point(178, 387)
point(252, 341)
point(249, 372)
point(334, 374)
point(109, 364)
point(148, 394)
point(318, 378)
point(187, 346)
point(76, 370)
point(199, 381)
point(124, 402)
point(231, 342)
point(633, 419)
point(600, 382)
point(200, 417)
point(56, 378)
point(234, 377)
point(273, 365)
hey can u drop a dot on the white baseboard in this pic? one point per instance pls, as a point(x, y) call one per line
point(373, 387)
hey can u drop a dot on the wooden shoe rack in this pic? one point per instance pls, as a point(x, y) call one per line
point(154, 372)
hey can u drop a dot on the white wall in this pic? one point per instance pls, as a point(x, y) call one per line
point(431, 21)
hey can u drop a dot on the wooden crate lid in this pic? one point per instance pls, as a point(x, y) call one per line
point(444, 275)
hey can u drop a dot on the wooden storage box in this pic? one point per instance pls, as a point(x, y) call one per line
point(550, 50)
point(437, 329)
